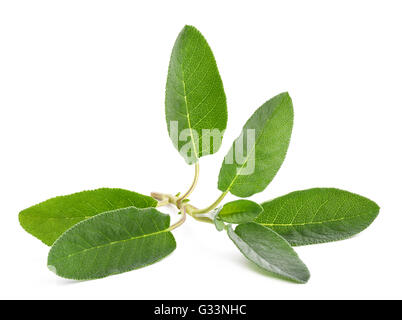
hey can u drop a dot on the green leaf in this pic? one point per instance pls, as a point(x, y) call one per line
point(257, 154)
point(195, 100)
point(49, 219)
point(112, 242)
point(269, 251)
point(318, 215)
point(219, 224)
point(239, 211)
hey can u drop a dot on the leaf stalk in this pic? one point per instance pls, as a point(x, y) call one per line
point(192, 187)
point(213, 205)
point(181, 221)
point(187, 207)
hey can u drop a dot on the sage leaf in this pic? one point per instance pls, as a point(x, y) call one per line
point(214, 215)
point(318, 215)
point(49, 219)
point(112, 242)
point(239, 211)
point(269, 251)
point(257, 154)
point(219, 224)
point(195, 102)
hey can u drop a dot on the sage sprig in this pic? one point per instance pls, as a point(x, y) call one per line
point(97, 233)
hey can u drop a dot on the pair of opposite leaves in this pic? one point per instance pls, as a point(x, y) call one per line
point(108, 231)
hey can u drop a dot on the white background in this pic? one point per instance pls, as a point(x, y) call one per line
point(82, 107)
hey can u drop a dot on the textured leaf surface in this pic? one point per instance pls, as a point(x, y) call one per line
point(318, 215)
point(269, 251)
point(219, 224)
point(239, 211)
point(49, 219)
point(272, 124)
point(112, 242)
point(195, 98)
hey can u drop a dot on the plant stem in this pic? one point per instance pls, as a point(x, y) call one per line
point(181, 221)
point(202, 218)
point(192, 187)
point(162, 203)
point(165, 199)
point(212, 206)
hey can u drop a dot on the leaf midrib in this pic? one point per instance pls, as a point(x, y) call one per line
point(61, 217)
point(252, 150)
point(311, 223)
point(188, 112)
point(242, 166)
point(112, 243)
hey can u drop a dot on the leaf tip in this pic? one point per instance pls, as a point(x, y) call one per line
point(287, 96)
point(305, 278)
point(189, 27)
point(302, 277)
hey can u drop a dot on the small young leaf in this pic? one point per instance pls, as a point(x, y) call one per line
point(318, 215)
point(49, 219)
point(214, 215)
point(269, 251)
point(257, 154)
point(219, 224)
point(112, 242)
point(239, 211)
point(195, 102)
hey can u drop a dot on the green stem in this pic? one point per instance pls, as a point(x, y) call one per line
point(164, 199)
point(212, 206)
point(192, 187)
point(202, 218)
point(181, 221)
point(163, 203)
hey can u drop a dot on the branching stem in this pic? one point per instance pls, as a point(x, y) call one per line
point(186, 208)
point(181, 221)
point(164, 199)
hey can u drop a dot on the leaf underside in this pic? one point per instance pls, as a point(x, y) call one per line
point(272, 126)
point(219, 224)
point(269, 251)
point(112, 242)
point(49, 219)
point(318, 215)
point(195, 97)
